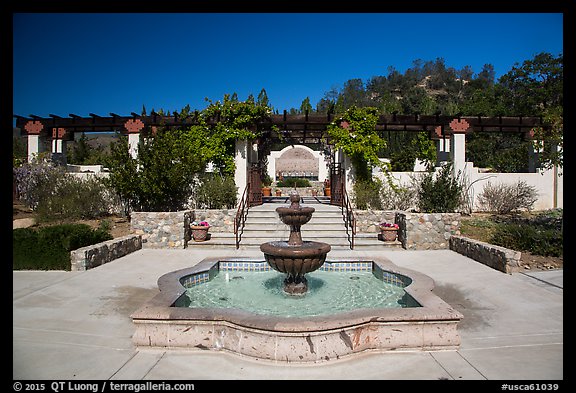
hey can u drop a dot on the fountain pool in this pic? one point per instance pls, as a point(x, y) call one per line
point(420, 321)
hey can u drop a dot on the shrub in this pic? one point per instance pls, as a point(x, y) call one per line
point(294, 182)
point(440, 191)
point(367, 194)
point(507, 198)
point(216, 192)
point(398, 198)
point(48, 248)
point(536, 239)
point(55, 194)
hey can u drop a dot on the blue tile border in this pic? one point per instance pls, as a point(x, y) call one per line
point(364, 266)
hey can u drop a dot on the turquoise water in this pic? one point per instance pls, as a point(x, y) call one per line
point(328, 293)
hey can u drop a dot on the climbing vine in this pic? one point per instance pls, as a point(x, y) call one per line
point(355, 133)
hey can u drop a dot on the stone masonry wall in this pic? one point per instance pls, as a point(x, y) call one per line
point(98, 254)
point(162, 229)
point(219, 220)
point(496, 257)
point(424, 231)
point(431, 231)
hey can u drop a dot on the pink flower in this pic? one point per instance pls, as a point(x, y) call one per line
point(388, 225)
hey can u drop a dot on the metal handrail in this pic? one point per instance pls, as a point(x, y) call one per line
point(241, 214)
point(349, 219)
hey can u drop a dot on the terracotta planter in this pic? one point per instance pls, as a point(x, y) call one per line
point(199, 233)
point(314, 192)
point(327, 192)
point(266, 191)
point(389, 234)
point(278, 193)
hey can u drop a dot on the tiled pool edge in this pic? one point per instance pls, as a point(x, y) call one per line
point(430, 327)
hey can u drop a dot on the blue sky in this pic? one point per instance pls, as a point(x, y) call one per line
point(102, 63)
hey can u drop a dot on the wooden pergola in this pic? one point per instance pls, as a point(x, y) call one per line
point(302, 128)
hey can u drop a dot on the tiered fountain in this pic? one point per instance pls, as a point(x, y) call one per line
point(295, 257)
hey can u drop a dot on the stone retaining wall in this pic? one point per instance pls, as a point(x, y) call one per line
point(422, 231)
point(162, 229)
point(219, 220)
point(98, 254)
point(496, 257)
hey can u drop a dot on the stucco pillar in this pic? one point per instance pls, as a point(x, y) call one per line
point(59, 145)
point(33, 128)
point(133, 126)
point(241, 164)
point(323, 170)
point(458, 144)
point(442, 146)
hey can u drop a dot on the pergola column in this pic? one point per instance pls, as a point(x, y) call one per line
point(34, 146)
point(59, 144)
point(458, 144)
point(133, 126)
point(442, 146)
point(241, 162)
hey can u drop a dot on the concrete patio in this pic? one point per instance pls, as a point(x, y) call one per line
point(77, 325)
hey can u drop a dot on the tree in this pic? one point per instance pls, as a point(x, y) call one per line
point(536, 87)
point(262, 98)
point(305, 106)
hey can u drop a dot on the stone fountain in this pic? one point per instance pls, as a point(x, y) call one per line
point(295, 257)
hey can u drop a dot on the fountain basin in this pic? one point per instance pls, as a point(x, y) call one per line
point(430, 326)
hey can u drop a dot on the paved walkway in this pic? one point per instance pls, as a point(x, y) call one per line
point(76, 325)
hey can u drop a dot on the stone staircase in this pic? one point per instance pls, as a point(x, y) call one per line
point(326, 225)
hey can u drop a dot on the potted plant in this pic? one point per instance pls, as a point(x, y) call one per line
point(200, 230)
point(266, 183)
point(314, 192)
point(278, 192)
point(327, 187)
point(388, 231)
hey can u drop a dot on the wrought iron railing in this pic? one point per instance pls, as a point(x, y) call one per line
point(241, 214)
point(348, 215)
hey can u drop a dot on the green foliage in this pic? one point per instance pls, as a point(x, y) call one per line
point(294, 182)
point(162, 176)
point(439, 192)
point(367, 194)
point(48, 248)
point(266, 180)
point(82, 153)
point(57, 195)
point(355, 133)
point(75, 198)
point(503, 153)
point(538, 240)
point(19, 151)
point(216, 192)
point(419, 146)
point(532, 88)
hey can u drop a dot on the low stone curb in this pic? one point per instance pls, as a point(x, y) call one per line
point(499, 258)
point(98, 254)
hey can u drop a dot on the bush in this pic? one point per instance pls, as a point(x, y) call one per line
point(55, 194)
point(294, 182)
point(399, 198)
point(439, 192)
point(507, 198)
point(216, 192)
point(535, 239)
point(48, 248)
point(367, 194)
